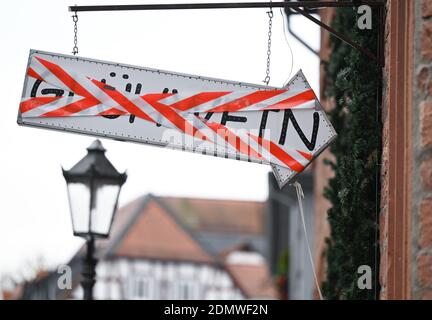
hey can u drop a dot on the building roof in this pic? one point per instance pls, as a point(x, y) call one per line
point(156, 234)
point(249, 271)
point(178, 221)
point(222, 216)
point(253, 279)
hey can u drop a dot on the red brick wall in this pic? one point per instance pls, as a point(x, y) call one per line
point(422, 193)
point(406, 175)
point(397, 155)
point(406, 164)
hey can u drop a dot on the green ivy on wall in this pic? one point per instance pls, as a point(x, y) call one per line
point(352, 83)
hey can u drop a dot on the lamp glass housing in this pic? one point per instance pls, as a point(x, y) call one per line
point(93, 205)
point(93, 190)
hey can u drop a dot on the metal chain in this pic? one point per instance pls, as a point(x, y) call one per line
point(75, 20)
point(270, 24)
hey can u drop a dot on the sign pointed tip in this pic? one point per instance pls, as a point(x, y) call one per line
point(96, 146)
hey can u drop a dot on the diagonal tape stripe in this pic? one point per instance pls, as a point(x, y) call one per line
point(122, 100)
point(63, 76)
point(33, 74)
point(279, 153)
point(232, 139)
point(306, 155)
point(172, 116)
point(293, 101)
point(197, 99)
point(246, 101)
point(72, 108)
point(36, 102)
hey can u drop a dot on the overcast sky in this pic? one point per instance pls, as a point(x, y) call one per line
point(35, 225)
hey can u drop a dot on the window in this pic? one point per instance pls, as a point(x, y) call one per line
point(187, 290)
point(142, 288)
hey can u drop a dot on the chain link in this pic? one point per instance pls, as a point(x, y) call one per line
point(75, 20)
point(270, 24)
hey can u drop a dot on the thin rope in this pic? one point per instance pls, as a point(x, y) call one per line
point(289, 46)
point(300, 196)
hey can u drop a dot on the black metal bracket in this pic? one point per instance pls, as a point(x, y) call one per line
point(298, 6)
point(288, 14)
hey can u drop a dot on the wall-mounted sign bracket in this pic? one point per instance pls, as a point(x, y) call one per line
point(298, 6)
point(288, 13)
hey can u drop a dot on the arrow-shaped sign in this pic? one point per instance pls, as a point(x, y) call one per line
point(283, 127)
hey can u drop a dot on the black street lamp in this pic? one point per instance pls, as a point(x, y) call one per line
point(93, 189)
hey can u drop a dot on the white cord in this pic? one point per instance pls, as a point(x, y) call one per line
point(289, 46)
point(300, 196)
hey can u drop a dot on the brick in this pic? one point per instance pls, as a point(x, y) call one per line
point(426, 8)
point(422, 79)
point(383, 268)
point(426, 223)
point(383, 226)
point(426, 123)
point(426, 174)
point(424, 266)
point(384, 197)
point(426, 41)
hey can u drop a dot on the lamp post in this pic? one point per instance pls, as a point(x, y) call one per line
point(93, 189)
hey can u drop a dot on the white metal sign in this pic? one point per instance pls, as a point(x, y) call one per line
point(284, 127)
